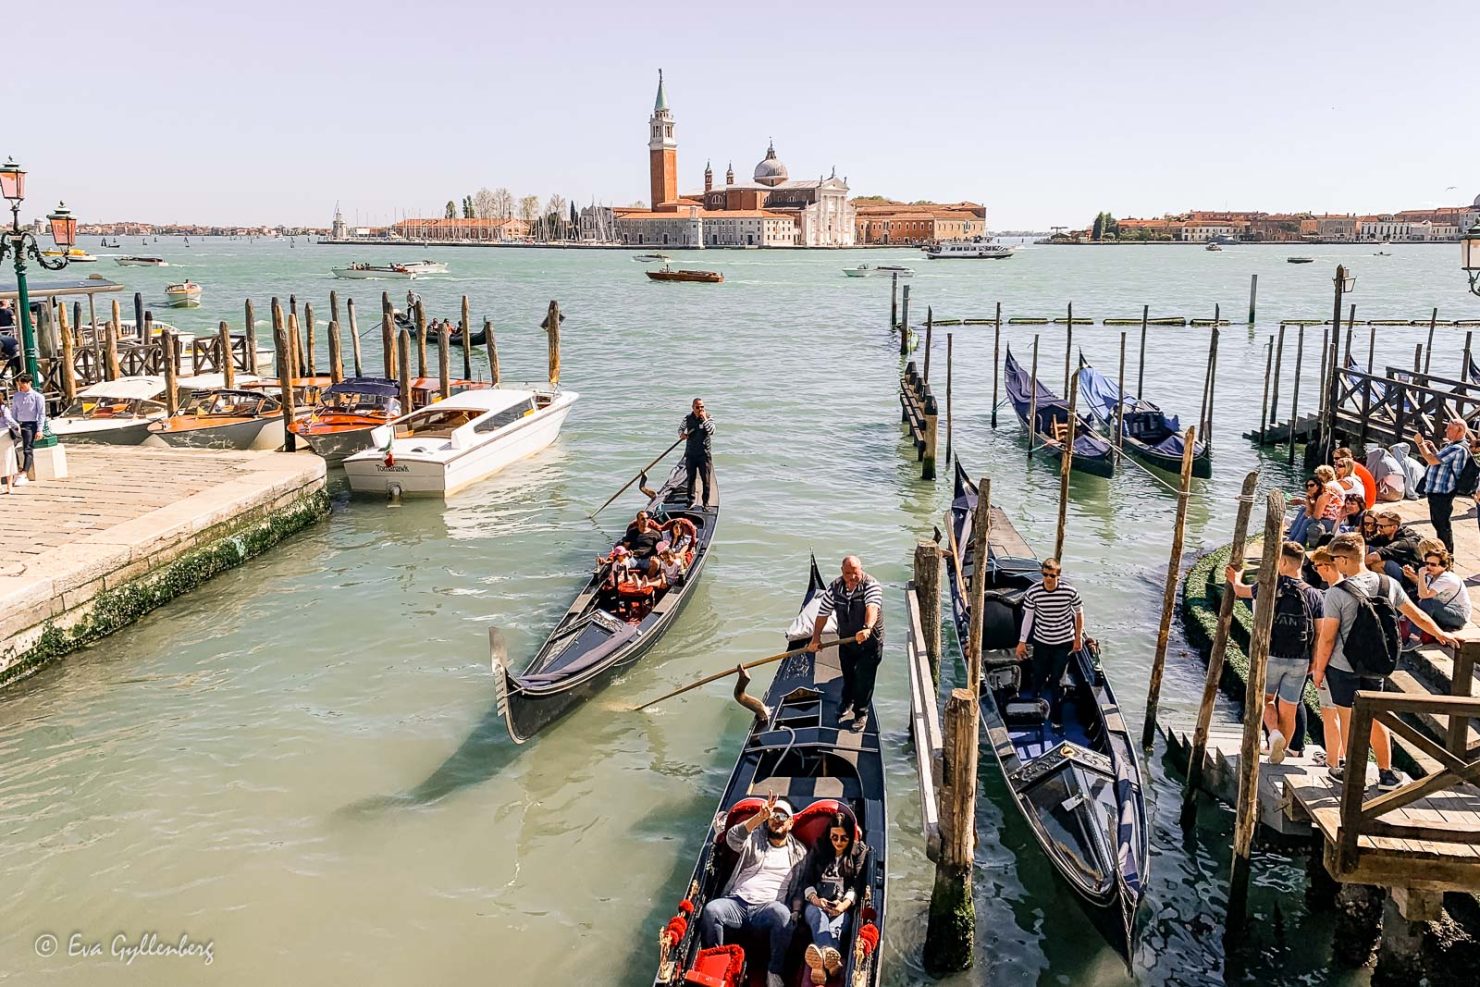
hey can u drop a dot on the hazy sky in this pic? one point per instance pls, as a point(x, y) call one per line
point(1047, 112)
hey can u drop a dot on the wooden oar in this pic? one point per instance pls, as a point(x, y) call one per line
point(731, 671)
point(634, 480)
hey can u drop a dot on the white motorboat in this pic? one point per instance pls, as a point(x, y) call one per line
point(977, 248)
point(425, 267)
point(112, 412)
point(374, 272)
point(222, 418)
point(186, 294)
point(652, 258)
point(861, 271)
point(132, 261)
point(447, 446)
point(886, 270)
point(1214, 247)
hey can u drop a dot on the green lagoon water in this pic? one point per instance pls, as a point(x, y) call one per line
point(301, 762)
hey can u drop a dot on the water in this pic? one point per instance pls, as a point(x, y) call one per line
point(301, 763)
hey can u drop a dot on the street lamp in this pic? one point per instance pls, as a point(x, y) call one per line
point(1469, 256)
point(1344, 282)
point(20, 243)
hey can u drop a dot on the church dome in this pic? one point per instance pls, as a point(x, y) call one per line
point(770, 171)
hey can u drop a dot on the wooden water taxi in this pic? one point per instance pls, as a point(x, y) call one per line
point(186, 294)
point(223, 418)
point(346, 414)
point(132, 261)
point(703, 277)
point(374, 272)
point(112, 412)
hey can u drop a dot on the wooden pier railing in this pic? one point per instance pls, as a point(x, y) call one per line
point(924, 717)
point(920, 413)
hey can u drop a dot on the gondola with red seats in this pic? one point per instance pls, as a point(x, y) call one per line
point(801, 753)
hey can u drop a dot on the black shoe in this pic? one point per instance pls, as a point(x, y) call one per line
point(859, 722)
point(847, 713)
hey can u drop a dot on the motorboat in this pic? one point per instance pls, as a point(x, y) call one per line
point(186, 294)
point(425, 267)
point(1300, 260)
point(882, 270)
point(74, 255)
point(977, 248)
point(136, 261)
point(346, 414)
point(112, 412)
point(795, 748)
point(1215, 246)
point(704, 277)
point(901, 270)
point(375, 272)
point(222, 418)
point(652, 258)
point(453, 443)
point(611, 624)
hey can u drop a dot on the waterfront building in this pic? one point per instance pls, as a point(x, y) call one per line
point(772, 210)
point(1203, 230)
point(338, 231)
point(884, 221)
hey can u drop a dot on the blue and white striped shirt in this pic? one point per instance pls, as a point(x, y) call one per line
point(28, 406)
point(1048, 616)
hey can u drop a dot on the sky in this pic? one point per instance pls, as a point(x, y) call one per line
point(272, 112)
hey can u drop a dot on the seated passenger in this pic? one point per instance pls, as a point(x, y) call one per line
point(620, 561)
point(759, 892)
point(831, 884)
point(641, 539)
point(681, 533)
point(670, 566)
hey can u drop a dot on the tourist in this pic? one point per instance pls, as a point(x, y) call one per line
point(1394, 550)
point(1441, 593)
point(1367, 527)
point(670, 566)
point(7, 315)
point(1442, 481)
point(1351, 483)
point(1359, 472)
point(1053, 620)
point(1325, 568)
point(831, 882)
point(759, 891)
point(1339, 655)
point(10, 431)
point(1351, 513)
point(1326, 509)
point(28, 410)
point(697, 430)
point(641, 539)
point(856, 601)
point(681, 532)
point(1387, 472)
point(1413, 470)
point(1291, 643)
point(1305, 506)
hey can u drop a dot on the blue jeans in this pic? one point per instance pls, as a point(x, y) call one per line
point(28, 444)
point(773, 920)
point(825, 930)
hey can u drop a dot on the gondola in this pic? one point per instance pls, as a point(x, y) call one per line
point(1147, 431)
point(606, 629)
point(1077, 786)
point(798, 751)
point(1092, 454)
point(403, 321)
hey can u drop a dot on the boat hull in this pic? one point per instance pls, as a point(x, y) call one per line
point(334, 446)
point(255, 434)
point(102, 431)
point(428, 474)
point(352, 275)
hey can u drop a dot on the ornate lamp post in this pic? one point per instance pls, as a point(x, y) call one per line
point(1469, 256)
point(20, 242)
point(1344, 283)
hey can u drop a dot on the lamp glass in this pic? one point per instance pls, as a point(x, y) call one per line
point(12, 181)
point(63, 227)
point(1469, 249)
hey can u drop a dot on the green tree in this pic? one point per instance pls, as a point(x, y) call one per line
point(1098, 229)
point(451, 212)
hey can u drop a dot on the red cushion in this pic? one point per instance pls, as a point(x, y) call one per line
point(739, 812)
point(813, 822)
point(717, 966)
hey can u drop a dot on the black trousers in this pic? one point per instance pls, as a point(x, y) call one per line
point(1049, 662)
point(701, 468)
point(1441, 509)
point(860, 663)
point(28, 446)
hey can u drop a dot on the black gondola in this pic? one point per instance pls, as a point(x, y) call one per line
point(1147, 431)
point(404, 321)
point(800, 753)
point(1092, 454)
point(606, 629)
point(1078, 786)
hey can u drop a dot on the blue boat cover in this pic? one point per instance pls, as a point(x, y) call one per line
point(1102, 396)
point(1020, 386)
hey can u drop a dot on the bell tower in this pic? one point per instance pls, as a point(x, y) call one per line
point(662, 151)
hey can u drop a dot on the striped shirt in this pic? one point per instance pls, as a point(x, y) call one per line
point(698, 431)
point(1048, 615)
point(28, 406)
point(1443, 476)
point(838, 597)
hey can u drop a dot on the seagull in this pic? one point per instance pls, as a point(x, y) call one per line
point(1450, 188)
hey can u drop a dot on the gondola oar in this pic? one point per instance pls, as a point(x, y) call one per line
point(634, 479)
point(731, 671)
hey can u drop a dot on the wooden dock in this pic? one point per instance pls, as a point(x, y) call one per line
point(130, 528)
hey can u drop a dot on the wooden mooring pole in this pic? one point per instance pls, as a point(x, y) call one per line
point(1274, 393)
point(1247, 805)
point(904, 324)
point(1141, 360)
point(1169, 591)
point(927, 592)
point(467, 337)
point(402, 350)
point(996, 362)
point(1253, 295)
point(929, 342)
point(894, 301)
point(932, 429)
point(1429, 351)
point(1033, 398)
point(1068, 346)
point(981, 536)
point(228, 366)
point(421, 340)
point(1120, 405)
point(388, 340)
point(171, 377)
point(69, 369)
point(336, 354)
point(444, 361)
point(551, 325)
point(1264, 401)
point(1066, 464)
point(354, 337)
point(950, 931)
point(1207, 429)
point(1216, 655)
point(1464, 367)
point(249, 330)
point(110, 345)
point(949, 340)
point(493, 369)
point(286, 379)
point(1295, 390)
point(309, 365)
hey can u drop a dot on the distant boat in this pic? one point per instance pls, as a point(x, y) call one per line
point(1214, 246)
point(374, 272)
point(883, 270)
point(75, 255)
point(186, 294)
point(652, 258)
point(1301, 260)
point(129, 261)
point(1382, 249)
point(426, 267)
point(706, 277)
point(977, 248)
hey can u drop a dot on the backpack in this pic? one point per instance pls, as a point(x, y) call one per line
point(1294, 627)
point(1371, 645)
point(1469, 476)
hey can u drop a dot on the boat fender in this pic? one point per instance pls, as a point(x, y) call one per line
point(742, 679)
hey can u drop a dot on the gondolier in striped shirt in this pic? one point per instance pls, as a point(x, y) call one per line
point(696, 430)
point(857, 600)
point(1053, 620)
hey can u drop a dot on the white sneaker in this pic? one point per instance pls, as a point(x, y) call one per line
point(1277, 744)
point(21, 480)
point(775, 980)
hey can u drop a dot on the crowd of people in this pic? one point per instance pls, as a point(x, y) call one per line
point(1357, 586)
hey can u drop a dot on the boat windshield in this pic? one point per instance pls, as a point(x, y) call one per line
point(101, 406)
point(225, 404)
point(359, 402)
point(506, 417)
point(1075, 808)
point(435, 423)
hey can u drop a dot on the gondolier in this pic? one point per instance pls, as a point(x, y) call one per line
point(697, 430)
point(1053, 620)
point(857, 601)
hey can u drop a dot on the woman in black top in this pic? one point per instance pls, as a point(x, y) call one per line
point(831, 881)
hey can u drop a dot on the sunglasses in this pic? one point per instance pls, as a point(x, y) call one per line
point(1433, 562)
point(1050, 572)
point(839, 838)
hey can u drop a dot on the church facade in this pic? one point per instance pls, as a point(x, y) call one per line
point(771, 210)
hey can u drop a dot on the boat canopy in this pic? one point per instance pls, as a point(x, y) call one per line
point(125, 389)
point(1143, 419)
point(378, 386)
